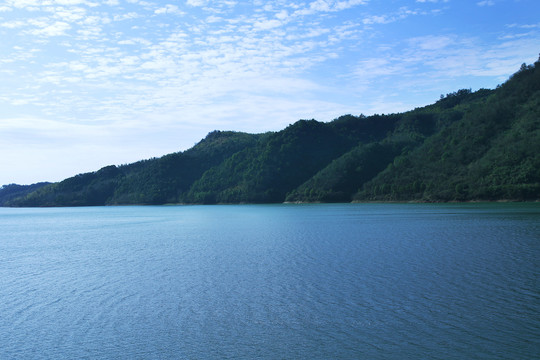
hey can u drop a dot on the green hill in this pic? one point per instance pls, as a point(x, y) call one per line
point(482, 145)
point(14, 191)
point(491, 152)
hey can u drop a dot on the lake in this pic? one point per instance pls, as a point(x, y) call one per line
point(325, 281)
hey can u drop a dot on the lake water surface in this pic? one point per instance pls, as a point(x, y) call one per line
point(348, 281)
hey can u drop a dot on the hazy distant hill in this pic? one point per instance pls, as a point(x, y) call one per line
point(482, 145)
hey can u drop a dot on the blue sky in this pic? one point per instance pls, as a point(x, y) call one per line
point(89, 83)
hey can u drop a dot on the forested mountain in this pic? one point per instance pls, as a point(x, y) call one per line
point(482, 145)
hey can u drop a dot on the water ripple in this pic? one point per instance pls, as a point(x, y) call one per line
point(243, 282)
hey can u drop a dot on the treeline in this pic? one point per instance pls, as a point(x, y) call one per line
point(481, 145)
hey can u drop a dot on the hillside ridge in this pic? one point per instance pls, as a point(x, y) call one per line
point(479, 145)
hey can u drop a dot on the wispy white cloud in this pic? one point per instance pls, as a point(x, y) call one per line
point(375, 19)
point(70, 14)
point(196, 2)
point(326, 6)
point(34, 5)
point(169, 9)
point(433, 63)
point(58, 28)
point(486, 3)
point(524, 26)
point(431, 42)
point(373, 68)
point(13, 24)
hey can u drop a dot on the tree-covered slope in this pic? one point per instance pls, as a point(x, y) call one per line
point(492, 152)
point(154, 181)
point(14, 191)
point(482, 145)
point(269, 171)
point(165, 180)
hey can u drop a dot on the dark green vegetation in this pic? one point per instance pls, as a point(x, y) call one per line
point(482, 145)
point(14, 191)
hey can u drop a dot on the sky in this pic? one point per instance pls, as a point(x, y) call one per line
point(90, 83)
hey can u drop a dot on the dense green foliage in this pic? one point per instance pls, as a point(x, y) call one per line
point(13, 191)
point(482, 145)
point(490, 151)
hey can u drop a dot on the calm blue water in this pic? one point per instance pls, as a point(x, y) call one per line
point(355, 281)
